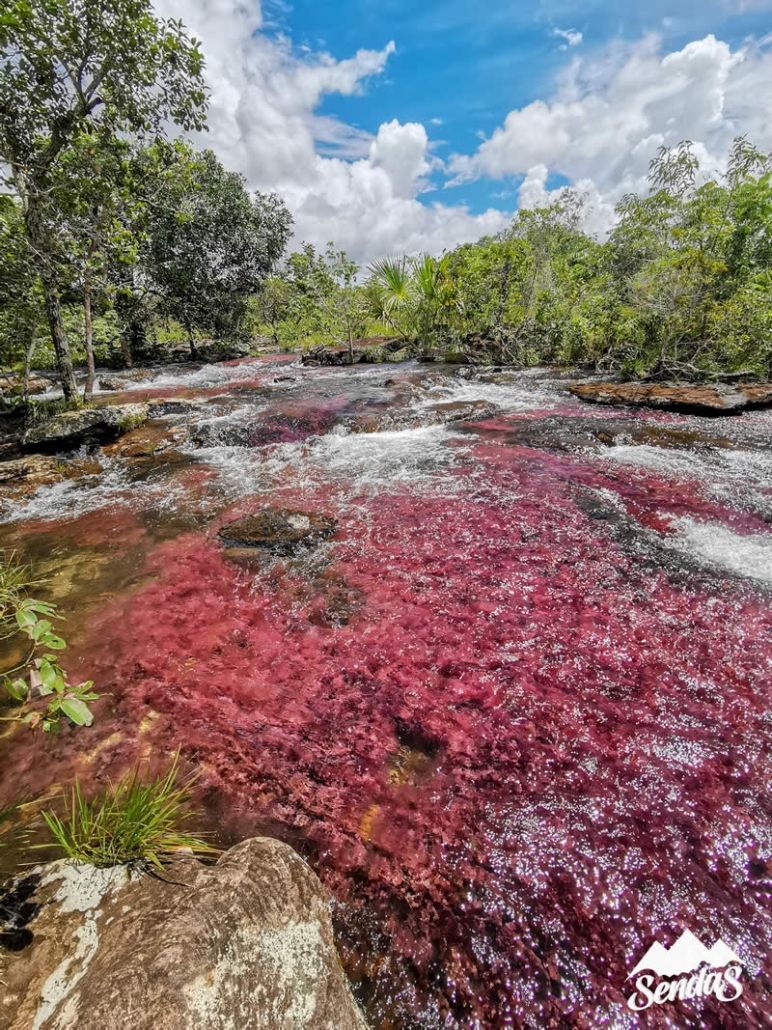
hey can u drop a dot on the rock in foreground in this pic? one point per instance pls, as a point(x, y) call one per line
point(71, 429)
point(718, 399)
point(278, 530)
point(246, 943)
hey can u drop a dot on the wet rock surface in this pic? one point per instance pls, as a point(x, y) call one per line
point(21, 478)
point(11, 385)
point(155, 438)
point(719, 399)
point(563, 433)
point(72, 429)
point(278, 530)
point(246, 943)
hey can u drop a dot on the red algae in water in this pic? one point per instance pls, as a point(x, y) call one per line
point(518, 758)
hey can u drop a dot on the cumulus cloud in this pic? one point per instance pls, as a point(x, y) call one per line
point(571, 36)
point(340, 182)
point(606, 115)
point(610, 114)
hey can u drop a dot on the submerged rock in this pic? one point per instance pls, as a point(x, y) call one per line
point(245, 943)
point(24, 475)
point(718, 399)
point(126, 379)
point(165, 406)
point(21, 478)
point(150, 440)
point(279, 530)
point(71, 429)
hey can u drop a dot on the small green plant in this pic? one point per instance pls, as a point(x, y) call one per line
point(39, 675)
point(41, 410)
point(133, 821)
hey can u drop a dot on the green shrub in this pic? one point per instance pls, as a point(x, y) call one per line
point(133, 821)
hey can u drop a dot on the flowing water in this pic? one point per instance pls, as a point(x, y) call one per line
point(515, 712)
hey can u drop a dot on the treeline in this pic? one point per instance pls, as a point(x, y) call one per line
point(682, 286)
point(104, 224)
point(115, 241)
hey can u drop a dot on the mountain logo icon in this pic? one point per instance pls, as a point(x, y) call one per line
point(687, 954)
point(686, 972)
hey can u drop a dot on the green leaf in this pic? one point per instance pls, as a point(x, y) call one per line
point(26, 619)
point(43, 627)
point(77, 710)
point(17, 688)
point(49, 674)
point(54, 642)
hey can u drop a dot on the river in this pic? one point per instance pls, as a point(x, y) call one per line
point(515, 712)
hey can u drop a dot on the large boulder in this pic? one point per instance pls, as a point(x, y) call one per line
point(246, 943)
point(717, 399)
point(71, 429)
point(278, 530)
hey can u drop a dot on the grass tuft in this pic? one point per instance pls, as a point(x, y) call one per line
point(41, 410)
point(134, 821)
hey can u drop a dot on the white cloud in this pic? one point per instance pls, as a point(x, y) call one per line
point(340, 182)
point(607, 115)
point(401, 150)
point(611, 113)
point(571, 36)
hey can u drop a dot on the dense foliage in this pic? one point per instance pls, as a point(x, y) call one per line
point(70, 68)
point(683, 285)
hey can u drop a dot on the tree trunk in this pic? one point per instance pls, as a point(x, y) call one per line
point(88, 392)
point(191, 342)
point(126, 351)
point(33, 217)
point(59, 337)
point(28, 356)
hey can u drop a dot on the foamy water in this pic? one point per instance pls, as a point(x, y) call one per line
point(747, 556)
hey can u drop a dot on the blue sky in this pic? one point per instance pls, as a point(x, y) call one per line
point(476, 109)
point(469, 64)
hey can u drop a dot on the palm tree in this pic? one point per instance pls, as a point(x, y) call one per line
point(392, 295)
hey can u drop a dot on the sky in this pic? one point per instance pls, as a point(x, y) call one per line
point(390, 126)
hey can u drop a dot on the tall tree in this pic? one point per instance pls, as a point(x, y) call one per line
point(210, 245)
point(99, 198)
point(65, 64)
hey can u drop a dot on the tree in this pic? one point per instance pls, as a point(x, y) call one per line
point(21, 307)
point(98, 197)
point(64, 66)
point(328, 299)
point(416, 296)
point(273, 305)
point(210, 244)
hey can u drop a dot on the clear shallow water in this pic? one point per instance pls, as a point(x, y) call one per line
point(516, 712)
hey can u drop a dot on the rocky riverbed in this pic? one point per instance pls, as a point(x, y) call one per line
point(496, 661)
